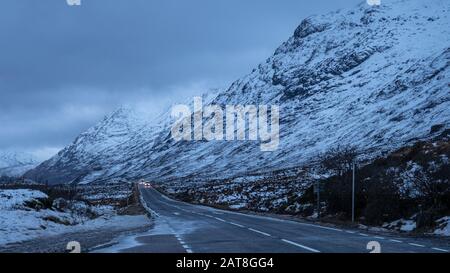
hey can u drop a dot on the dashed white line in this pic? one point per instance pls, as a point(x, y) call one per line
point(439, 249)
point(183, 244)
point(301, 246)
point(189, 250)
point(260, 232)
point(236, 224)
point(413, 244)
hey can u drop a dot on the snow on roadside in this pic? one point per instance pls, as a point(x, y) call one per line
point(12, 198)
point(408, 225)
point(405, 225)
point(443, 226)
point(19, 221)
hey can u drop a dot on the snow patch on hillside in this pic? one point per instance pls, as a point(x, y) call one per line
point(16, 163)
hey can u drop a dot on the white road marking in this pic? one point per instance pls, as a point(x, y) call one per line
point(189, 250)
point(183, 244)
point(316, 226)
point(329, 228)
point(103, 245)
point(219, 211)
point(165, 197)
point(260, 232)
point(145, 205)
point(202, 214)
point(301, 246)
point(235, 224)
point(439, 249)
point(413, 244)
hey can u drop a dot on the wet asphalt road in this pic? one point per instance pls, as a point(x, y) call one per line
point(184, 228)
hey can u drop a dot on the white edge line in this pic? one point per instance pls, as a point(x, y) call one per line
point(260, 232)
point(299, 245)
point(145, 205)
point(439, 249)
point(188, 250)
point(317, 226)
point(235, 224)
point(214, 210)
point(413, 244)
point(183, 244)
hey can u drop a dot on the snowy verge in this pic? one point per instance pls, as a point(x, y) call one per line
point(407, 225)
point(23, 217)
point(443, 227)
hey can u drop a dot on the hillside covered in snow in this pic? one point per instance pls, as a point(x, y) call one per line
point(16, 164)
point(373, 76)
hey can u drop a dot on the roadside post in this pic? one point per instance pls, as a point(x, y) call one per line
point(353, 192)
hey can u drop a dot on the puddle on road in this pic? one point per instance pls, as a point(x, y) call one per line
point(163, 226)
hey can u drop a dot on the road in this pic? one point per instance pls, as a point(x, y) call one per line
point(185, 228)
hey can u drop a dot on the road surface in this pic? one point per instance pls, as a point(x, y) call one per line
point(185, 228)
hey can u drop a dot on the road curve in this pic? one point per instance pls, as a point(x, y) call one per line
point(181, 227)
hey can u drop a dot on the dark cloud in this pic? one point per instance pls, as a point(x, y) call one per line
point(92, 58)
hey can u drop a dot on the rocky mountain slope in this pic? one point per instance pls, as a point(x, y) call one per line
point(16, 164)
point(372, 76)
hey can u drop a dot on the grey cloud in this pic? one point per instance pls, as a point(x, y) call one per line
point(105, 52)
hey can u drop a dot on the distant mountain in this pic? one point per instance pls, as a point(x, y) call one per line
point(16, 164)
point(373, 76)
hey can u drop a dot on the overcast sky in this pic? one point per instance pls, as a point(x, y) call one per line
point(63, 68)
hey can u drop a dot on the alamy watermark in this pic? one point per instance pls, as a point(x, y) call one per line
point(74, 247)
point(73, 2)
point(207, 123)
point(374, 2)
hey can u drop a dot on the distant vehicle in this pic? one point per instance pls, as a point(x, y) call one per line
point(145, 184)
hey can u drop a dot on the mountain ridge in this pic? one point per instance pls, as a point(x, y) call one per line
point(348, 77)
point(15, 164)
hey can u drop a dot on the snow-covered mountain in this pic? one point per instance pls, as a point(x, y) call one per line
point(373, 76)
point(15, 163)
